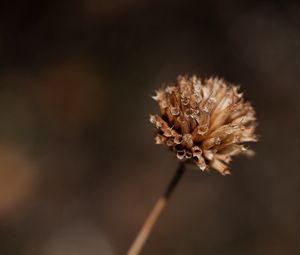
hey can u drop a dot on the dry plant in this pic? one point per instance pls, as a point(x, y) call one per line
point(206, 122)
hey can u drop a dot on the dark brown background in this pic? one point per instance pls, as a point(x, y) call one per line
point(79, 171)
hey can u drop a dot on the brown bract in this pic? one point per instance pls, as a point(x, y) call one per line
point(206, 121)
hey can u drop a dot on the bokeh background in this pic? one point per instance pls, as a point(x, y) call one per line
point(79, 171)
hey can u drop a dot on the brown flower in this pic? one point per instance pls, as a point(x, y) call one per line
point(207, 121)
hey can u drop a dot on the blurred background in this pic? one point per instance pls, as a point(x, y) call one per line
point(79, 171)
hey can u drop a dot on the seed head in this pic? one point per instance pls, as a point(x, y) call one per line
point(205, 121)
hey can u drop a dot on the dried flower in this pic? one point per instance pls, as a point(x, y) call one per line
point(207, 121)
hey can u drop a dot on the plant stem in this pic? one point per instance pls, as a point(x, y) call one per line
point(157, 209)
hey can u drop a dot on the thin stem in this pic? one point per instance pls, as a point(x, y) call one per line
point(157, 209)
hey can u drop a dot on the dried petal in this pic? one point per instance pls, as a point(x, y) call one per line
point(206, 121)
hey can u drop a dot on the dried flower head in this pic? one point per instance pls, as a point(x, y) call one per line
point(206, 121)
